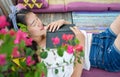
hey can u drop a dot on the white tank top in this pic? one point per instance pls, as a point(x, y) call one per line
point(88, 39)
point(59, 66)
point(63, 66)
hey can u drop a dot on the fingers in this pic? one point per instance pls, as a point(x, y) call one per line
point(51, 26)
point(55, 25)
point(58, 26)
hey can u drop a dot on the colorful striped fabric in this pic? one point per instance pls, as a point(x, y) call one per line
point(54, 6)
point(78, 5)
point(92, 5)
point(94, 21)
point(29, 1)
point(34, 4)
point(93, 1)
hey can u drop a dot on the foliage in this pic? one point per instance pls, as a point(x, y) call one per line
point(16, 58)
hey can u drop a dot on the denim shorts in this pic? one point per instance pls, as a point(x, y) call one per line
point(103, 52)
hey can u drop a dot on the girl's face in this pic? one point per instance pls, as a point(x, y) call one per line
point(34, 25)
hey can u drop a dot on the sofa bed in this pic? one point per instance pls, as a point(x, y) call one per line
point(40, 6)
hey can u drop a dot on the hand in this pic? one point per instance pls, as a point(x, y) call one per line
point(79, 35)
point(55, 25)
point(78, 67)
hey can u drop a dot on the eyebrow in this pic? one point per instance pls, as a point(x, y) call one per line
point(32, 22)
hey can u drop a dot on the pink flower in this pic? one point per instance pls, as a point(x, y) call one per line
point(15, 52)
point(3, 31)
point(67, 37)
point(70, 36)
point(29, 61)
point(12, 32)
point(55, 40)
point(2, 59)
point(3, 22)
point(20, 36)
point(28, 42)
point(42, 75)
point(78, 47)
point(64, 37)
point(70, 49)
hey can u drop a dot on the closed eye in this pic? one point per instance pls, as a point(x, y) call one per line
point(34, 22)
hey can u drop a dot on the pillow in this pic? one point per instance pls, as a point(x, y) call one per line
point(54, 6)
point(34, 4)
point(87, 5)
point(29, 1)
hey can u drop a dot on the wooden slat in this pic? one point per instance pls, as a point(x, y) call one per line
point(47, 18)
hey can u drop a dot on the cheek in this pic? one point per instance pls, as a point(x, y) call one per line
point(33, 31)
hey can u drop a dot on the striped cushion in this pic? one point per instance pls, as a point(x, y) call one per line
point(54, 6)
point(94, 1)
point(34, 4)
point(92, 5)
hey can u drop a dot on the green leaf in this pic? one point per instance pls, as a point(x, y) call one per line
point(1, 36)
point(79, 60)
point(63, 69)
point(29, 52)
point(60, 51)
point(13, 74)
point(41, 67)
point(22, 27)
point(8, 45)
point(76, 41)
point(5, 68)
point(82, 54)
point(29, 74)
point(37, 74)
point(56, 71)
point(43, 55)
point(1, 75)
point(23, 64)
point(65, 61)
point(22, 44)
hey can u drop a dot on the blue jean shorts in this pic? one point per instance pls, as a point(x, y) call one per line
point(103, 52)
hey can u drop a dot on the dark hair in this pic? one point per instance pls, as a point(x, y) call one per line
point(20, 16)
point(34, 47)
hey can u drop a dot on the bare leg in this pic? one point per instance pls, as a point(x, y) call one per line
point(115, 26)
point(117, 42)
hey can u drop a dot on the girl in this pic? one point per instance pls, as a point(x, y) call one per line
point(37, 31)
point(102, 49)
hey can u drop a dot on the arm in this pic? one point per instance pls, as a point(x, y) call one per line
point(56, 25)
point(66, 22)
point(78, 67)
